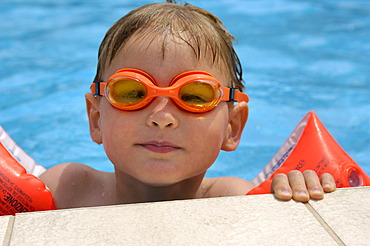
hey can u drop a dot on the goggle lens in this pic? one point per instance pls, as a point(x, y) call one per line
point(199, 94)
point(126, 92)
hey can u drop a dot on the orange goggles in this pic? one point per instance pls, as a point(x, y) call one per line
point(193, 91)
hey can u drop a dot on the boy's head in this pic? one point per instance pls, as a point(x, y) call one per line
point(200, 29)
point(160, 144)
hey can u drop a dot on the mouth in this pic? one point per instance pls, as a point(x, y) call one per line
point(160, 147)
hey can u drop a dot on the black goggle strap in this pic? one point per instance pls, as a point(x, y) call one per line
point(97, 88)
point(234, 95)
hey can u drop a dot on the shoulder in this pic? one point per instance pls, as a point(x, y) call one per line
point(73, 184)
point(65, 172)
point(227, 186)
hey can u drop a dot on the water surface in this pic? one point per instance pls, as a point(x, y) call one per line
point(297, 56)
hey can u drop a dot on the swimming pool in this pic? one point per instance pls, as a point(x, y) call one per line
point(297, 56)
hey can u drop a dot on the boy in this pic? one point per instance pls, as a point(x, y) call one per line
point(162, 144)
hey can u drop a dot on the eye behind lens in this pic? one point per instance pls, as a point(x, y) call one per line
point(197, 93)
point(200, 95)
point(126, 92)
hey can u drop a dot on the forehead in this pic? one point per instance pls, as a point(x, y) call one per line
point(169, 54)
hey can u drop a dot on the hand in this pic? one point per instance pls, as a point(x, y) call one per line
point(302, 186)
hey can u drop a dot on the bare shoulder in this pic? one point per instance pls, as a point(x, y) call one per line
point(227, 186)
point(76, 185)
point(63, 173)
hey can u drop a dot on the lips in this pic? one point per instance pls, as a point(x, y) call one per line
point(160, 147)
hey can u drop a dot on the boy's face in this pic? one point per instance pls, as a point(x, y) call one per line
point(162, 144)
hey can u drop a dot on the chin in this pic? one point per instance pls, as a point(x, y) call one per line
point(160, 182)
point(167, 179)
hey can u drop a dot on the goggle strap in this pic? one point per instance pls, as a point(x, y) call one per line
point(97, 88)
point(240, 96)
point(234, 95)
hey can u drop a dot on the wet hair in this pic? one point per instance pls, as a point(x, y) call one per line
point(198, 28)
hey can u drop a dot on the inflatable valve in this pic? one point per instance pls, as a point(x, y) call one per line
point(20, 190)
point(311, 147)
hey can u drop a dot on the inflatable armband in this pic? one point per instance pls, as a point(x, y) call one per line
point(311, 147)
point(20, 189)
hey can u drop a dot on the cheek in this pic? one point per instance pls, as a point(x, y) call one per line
point(205, 150)
point(118, 137)
point(117, 127)
point(211, 134)
point(208, 135)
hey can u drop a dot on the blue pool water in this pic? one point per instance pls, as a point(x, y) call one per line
point(297, 56)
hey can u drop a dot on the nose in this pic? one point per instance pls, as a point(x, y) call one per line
point(162, 114)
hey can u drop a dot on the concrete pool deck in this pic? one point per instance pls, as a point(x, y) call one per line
point(342, 218)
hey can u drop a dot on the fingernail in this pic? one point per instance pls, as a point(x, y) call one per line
point(302, 193)
point(316, 190)
point(329, 187)
point(286, 192)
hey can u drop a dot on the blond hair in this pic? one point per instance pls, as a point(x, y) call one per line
point(200, 29)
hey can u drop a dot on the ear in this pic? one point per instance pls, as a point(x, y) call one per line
point(237, 119)
point(92, 106)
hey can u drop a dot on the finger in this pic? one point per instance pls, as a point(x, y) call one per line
point(298, 185)
point(313, 185)
point(328, 182)
point(281, 188)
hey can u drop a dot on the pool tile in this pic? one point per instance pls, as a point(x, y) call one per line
point(241, 220)
point(4, 232)
point(347, 212)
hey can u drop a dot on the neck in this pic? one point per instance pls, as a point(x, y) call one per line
point(131, 190)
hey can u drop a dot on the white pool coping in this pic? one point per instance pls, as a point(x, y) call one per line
point(342, 218)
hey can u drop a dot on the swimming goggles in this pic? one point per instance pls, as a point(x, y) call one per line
point(193, 91)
